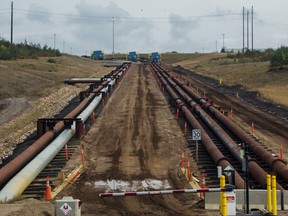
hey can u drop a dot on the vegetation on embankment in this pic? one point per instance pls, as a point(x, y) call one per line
point(24, 50)
point(258, 71)
point(34, 78)
point(39, 83)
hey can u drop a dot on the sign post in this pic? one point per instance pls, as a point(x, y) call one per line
point(196, 135)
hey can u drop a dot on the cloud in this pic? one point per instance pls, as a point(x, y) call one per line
point(181, 33)
point(38, 13)
point(180, 26)
point(93, 26)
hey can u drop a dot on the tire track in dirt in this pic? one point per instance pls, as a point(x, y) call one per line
point(135, 138)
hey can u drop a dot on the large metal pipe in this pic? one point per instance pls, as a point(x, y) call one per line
point(15, 187)
point(21, 160)
point(278, 166)
point(15, 165)
point(23, 179)
point(217, 156)
point(254, 169)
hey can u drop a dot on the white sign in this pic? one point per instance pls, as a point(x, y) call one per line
point(231, 202)
point(65, 208)
point(196, 134)
point(228, 170)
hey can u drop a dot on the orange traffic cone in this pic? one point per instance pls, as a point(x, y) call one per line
point(83, 129)
point(48, 193)
point(182, 159)
point(82, 157)
point(203, 186)
point(93, 116)
point(185, 129)
point(188, 170)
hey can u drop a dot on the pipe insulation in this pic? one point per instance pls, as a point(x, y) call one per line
point(23, 179)
point(22, 159)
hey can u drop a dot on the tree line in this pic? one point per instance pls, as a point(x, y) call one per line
point(25, 50)
point(278, 57)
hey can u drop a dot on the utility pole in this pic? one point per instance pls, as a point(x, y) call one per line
point(243, 29)
point(223, 42)
point(252, 33)
point(11, 22)
point(248, 29)
point(216, 46)
point(113, 19)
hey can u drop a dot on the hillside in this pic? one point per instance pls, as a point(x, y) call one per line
point(34, 88)
point(271, 84)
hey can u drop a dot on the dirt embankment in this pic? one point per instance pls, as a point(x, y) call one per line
point(33, 88)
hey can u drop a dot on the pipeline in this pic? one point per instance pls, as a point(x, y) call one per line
point(217, 156)
point(254, 169)
point(21, 160)
point(277, 165)
point(25, 176)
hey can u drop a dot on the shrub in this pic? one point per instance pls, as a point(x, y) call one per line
point(280, 57)
point(24, 50)
point(50, 60)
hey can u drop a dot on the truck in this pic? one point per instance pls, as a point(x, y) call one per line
point(155, 56)
point(98, 55)
point(132, 56)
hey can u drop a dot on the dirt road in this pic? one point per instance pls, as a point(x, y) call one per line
point(134, 145)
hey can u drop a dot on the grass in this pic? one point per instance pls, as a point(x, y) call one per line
point(40, 81)
point(254, 76)
point(34, 78)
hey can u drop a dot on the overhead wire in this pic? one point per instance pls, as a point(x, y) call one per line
point(127, 18)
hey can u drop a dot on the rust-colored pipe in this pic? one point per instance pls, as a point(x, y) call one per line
point(17, 163)
point(277, 165)
point(216, 155)
point(21, 160)
point(254, 169)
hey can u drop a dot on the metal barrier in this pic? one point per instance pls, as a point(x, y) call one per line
point(228, 191)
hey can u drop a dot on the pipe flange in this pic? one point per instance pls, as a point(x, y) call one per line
point(221, 159)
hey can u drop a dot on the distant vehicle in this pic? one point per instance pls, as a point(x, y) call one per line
point(132, 56)
point(155, 56)
point(97, 55)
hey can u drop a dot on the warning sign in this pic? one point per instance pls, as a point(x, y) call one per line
point(230, 199)
point(196, 134)
point(65, 209)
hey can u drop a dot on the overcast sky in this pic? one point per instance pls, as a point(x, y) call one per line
point(145, 26)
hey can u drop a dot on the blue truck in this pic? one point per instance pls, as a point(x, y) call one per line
point(132, 56)
point(98, 55)
point(155, 56)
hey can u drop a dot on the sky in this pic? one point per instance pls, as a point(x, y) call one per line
point(80, 26)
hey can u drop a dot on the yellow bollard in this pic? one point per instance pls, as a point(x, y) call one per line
point(224, 213)
point(222, 185)
point(269, 206)
point(220, 81)
point(274, 196)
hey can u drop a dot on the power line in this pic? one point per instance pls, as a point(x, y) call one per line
point(188, 18)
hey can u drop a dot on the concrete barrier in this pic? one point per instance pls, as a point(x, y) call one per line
point(257, 200)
